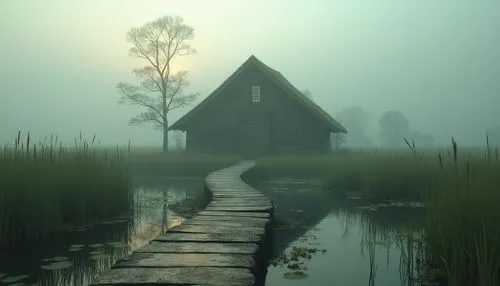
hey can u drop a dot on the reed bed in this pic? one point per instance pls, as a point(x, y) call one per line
point(394, 176)
point(463, 233)
point(461, 190)
point(46, 187)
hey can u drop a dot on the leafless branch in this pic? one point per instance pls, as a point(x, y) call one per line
point(158, 43)
point(133, 95)
point(149, 116)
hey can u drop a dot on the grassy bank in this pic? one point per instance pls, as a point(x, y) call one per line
point(463, 234)
point(46, 186)
point(373, 176)
point(462, 191)
point(155, 163)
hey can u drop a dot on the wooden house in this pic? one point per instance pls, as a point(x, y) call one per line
point(257, 112)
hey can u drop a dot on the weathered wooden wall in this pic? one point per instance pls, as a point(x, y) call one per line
point(284, 124)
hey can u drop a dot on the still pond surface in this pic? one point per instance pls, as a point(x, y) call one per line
point(352, 242)
point(355, 243)
point(85, 253)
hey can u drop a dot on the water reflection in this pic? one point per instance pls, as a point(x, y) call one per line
point(79, 256)
point(363, 246)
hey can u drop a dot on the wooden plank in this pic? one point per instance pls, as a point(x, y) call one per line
point(166, 260)
point(234, 214)
point(240, 195)
point(229, 218)
point(193, 228)
point(215, 276)
point(221, 245)
point(194, 247)
point(227, 221)
point(266, 209)
point(209, 237)
point(240, 204)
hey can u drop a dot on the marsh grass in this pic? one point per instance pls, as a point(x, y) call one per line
point(46, 186)
point(463, 230)
point(461, 189)
point(178, 163)
point(375, 176)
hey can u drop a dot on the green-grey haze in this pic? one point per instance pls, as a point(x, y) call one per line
point(435, 61)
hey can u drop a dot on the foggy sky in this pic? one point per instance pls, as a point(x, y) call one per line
point(435, 61)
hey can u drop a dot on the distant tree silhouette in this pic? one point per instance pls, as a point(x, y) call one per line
point(421, 140)
point(394, 127)
point(160, 90)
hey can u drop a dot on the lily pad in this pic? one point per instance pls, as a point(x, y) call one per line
point(55, 259)
point(12, 279)
point(106, 222)
point(297, 275)
point(57, 265)
point(74, 249)
point(102, 256)
point(96, 245)
point(117, 244)
point(96, 252)
point(77, 246)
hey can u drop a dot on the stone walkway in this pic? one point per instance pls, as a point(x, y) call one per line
point(228, 243)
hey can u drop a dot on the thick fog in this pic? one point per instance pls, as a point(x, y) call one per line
point(436, 62)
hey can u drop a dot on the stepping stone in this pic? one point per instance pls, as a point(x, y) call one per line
point(209, 237)
point(214, 276)
point(166, 260)
point(233, 214)
point(193, 228)
point(194, 247)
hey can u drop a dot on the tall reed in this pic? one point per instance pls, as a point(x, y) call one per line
point(463, 233)
point(47, 186)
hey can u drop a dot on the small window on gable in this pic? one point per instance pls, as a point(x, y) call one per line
point(255, 94)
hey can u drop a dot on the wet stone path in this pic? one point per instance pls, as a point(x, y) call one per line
point(228, 243)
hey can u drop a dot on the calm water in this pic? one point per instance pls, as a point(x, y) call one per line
point(364, 245)
point(85, 253)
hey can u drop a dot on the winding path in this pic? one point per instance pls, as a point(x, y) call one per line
point(228, 243)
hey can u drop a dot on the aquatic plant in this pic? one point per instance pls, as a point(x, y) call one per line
point(46, 187)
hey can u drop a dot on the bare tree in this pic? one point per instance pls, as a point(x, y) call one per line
point(160, 89)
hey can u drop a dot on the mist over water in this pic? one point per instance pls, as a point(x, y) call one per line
point(435, 62)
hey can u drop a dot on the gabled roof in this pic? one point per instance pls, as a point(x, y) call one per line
point(282, 82)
